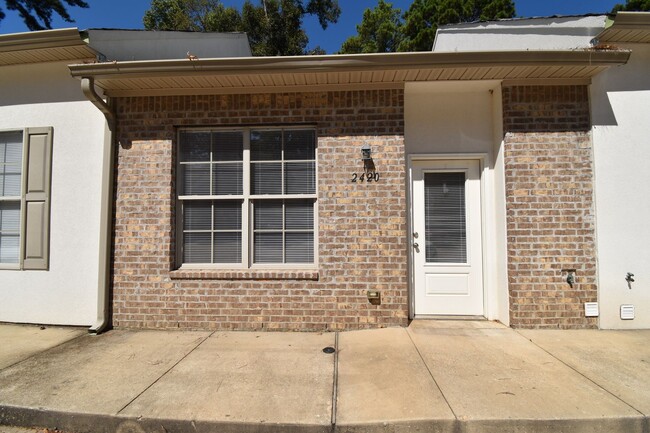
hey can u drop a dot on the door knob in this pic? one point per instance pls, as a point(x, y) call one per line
point(415, 245)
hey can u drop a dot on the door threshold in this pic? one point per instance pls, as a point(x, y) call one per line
point(448, 317)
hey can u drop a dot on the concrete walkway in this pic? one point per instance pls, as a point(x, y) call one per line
point(435, 376)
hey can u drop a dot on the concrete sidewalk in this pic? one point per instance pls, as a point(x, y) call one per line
point(435, 376)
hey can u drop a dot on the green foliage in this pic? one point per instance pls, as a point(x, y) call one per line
point(37, 14)
point(191, 15)
point(166, 15)
point(327, 11)
point(384, 29)
point(425, 16)
point(379, 31)
point(633, 5)
point(419, 28)
point(316, 51)
point(274, 27)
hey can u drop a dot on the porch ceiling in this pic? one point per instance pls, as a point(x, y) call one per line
point(263, 74)
point(44, 46)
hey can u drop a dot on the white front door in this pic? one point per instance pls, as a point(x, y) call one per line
point(446, 238)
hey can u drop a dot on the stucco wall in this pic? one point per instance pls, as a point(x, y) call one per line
point(449, 117)
point(45, 95)
point(620, 107)
point(552, 33)
point(464, 119)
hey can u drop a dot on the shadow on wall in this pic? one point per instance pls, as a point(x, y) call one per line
point(38, 84)
point(334, 114)
point(535, 108)
point(632, 77)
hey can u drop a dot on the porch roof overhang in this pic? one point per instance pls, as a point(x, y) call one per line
point(627, 27)
point(44, 46)
point(339, 72)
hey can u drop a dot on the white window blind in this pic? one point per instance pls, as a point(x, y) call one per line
point(445, 220)
point(267, 220)
point(283, 231)
point(11, 163)
point(25, 183)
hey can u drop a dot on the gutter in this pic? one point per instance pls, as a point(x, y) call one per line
point(106, 211)
point(625, 27)
point(346, 63)
point(41, 39)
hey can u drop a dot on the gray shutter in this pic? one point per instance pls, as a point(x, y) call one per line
point(38, 166)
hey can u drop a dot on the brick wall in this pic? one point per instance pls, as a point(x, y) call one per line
point(550, 211)
point(362, 226)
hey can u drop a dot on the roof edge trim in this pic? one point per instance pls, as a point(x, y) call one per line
point(355, 62)
point(41, 39)
point(626, 27)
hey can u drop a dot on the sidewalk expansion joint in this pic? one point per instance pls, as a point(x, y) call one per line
point(431, 374)
point(586, 377)
point(166, 372)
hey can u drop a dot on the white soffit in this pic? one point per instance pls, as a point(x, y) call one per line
point(44, 46)
point(302, 73)
point(627, 27)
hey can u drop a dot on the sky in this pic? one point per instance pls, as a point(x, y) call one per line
point(127, 14)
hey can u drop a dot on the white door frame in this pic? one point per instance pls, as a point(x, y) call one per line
point(482, 160)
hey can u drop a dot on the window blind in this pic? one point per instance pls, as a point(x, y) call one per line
point(279, 162)
point(212, 231)
point(11, 157)
point(9, 231)
point(283, 231)
point(445, 221)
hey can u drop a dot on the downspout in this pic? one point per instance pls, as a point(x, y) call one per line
point(106, 211)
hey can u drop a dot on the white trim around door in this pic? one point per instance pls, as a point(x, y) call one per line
point(446, 236)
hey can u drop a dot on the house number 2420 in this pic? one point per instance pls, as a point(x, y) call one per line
point(365, 177)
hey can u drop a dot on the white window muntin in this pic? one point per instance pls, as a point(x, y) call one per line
point(11, 192)
point(247, 199)
point(31, 188)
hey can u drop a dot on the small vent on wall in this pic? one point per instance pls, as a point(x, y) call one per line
point(627, 312)
point(591, 309)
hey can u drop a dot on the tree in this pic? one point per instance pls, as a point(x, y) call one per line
point(633, 5)
point(379, 31)
point(37, 14)
point(191, 15)
point(274, 27)
point(424, 17)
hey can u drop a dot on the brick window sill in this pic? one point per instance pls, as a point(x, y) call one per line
point(245, 274)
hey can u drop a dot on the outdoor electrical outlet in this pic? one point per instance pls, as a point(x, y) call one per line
point(374, 297)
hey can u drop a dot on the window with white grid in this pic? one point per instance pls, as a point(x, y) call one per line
point(247, 197)
point(25, 183)
point(11, 164)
